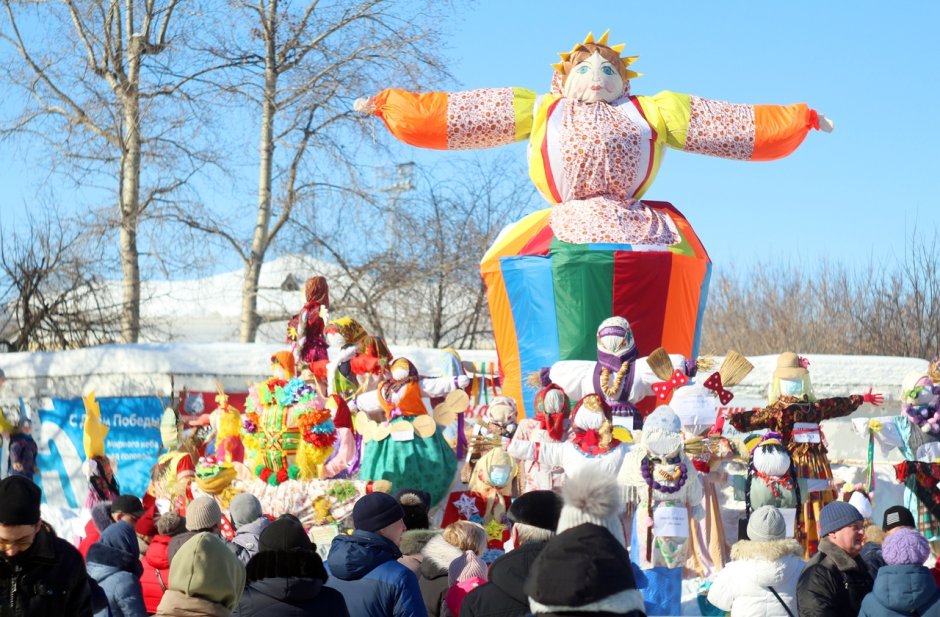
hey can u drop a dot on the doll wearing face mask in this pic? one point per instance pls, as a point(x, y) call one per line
point(795, 413)
point(418, 457)
point(487, 498)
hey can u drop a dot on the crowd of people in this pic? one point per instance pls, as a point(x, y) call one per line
point(567, 557)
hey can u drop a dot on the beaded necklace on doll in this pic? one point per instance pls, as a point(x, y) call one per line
point(618, 379)
point(679, 476)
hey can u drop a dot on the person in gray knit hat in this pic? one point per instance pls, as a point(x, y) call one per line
point(249, 522)
point(202, 514)
point(762, 576)
point(836, 579)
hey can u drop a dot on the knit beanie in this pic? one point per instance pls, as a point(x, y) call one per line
point(898, 516)
point(19, 501)
point(905, 547)
point(836, 515)
point(766, 524)
point(170, 524)
point(537, 508)
point(244, 508)
point(203, 513)
point(591, 496)
point(120, 536)
point(127, 504)
point(376, 511)
point(284, 534)
point(465, 567)
point(205, 568)
point(582, 570)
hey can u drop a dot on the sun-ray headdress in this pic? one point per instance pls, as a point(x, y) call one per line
point(602, 41)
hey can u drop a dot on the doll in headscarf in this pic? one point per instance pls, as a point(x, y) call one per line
point(795, 413)
point(407, 448)
point(305, 329)
point(591, 444)
point(175, 469)
point(487, 498)
point(494, 428)
point(619, 376)
point(346, 457)
point(771, 481)
point(355, 361)
point(550, 425)
point(664, 491)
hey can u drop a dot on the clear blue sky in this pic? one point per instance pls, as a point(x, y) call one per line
point(849, 196)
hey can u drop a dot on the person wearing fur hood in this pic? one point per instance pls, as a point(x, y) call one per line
point(439, 553)
point(768, 562)
point(664, 490)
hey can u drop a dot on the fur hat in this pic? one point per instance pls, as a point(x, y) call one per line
point(537, 508)
point(202, 514)
point(591, 496)
point(416, 503)
point(244, 508)
point(766, 524)
point(583, 570)
point(905, 547)
point(836, 515)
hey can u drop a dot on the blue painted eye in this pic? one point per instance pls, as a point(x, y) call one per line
point(582, 70)
point(608, 70)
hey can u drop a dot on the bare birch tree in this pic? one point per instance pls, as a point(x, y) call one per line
point(108, 94)
point(303, 65)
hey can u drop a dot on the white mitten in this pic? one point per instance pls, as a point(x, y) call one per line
point(825, 124)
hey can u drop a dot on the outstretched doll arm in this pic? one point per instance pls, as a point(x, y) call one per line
point(468, 120)
point(730, 130)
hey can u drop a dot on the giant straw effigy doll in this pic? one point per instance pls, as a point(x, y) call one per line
point(795, 413)
point(595, 150)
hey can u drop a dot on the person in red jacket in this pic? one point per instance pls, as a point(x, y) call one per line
point(125, 508)
point(156, 562)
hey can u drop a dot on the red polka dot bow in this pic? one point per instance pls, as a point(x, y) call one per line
point(662, 389)
point(713, 383)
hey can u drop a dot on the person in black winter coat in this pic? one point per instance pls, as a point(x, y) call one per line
point(584, 570)
point(835, 580)
point(286, 577)
point(41, 575)
point(534, 516)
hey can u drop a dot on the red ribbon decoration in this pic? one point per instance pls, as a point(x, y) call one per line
point(713, 383)
point(662, 389)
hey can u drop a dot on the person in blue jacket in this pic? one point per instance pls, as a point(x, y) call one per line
point(364, 567)
point(114, 562)
point(904, 586)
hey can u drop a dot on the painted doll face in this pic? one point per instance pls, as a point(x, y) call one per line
point(594, 80)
